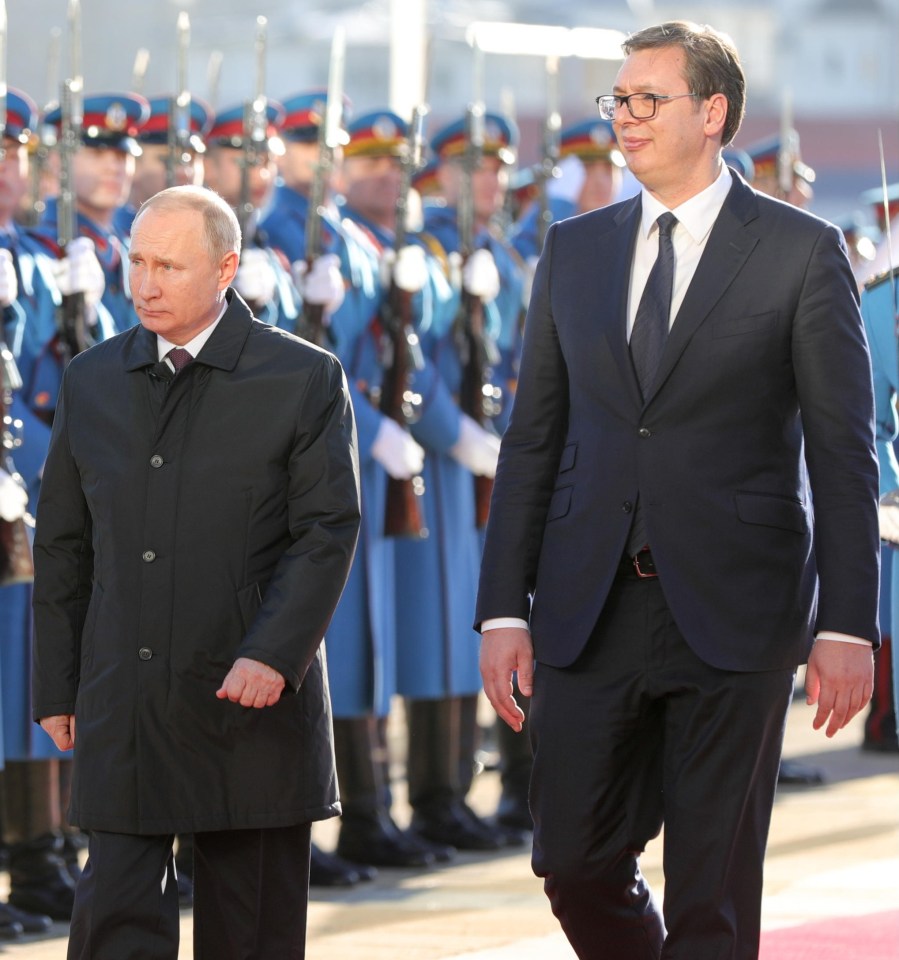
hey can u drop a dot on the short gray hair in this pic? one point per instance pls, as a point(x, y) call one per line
point(221, 231)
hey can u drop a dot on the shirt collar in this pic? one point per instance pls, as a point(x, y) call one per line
point(194, 346)
point(697, 215)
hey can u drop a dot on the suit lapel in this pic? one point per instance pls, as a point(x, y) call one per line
point(730, 243)
point(616, 253)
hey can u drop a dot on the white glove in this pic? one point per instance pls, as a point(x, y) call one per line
point(476, 448)
point(888, 516)
point(79, 271)
point(480, 278)
point(9, 285)
point(255, 280)
point(323, 283)
point(13, 497)
point(408, 268)
point(527, 280)
point(570, 182)
point(396, 451)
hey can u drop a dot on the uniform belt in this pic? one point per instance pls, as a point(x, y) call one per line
point(640, 567)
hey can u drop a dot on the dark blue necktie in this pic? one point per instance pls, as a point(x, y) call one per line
point(648, 340)
point(653, 315)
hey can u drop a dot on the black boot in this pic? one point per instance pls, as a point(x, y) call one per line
point(329, 870)
point(368, 835)
point(12, 919)
point(434, 768)
point(39, 880)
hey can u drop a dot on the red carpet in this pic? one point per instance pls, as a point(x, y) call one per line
point(871, 937)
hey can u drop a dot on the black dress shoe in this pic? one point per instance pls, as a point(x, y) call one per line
point(513, 812)
point(330, 870)
point(799, 774)
point(39, 878)
point(378, 841)
point(10, 928)
point(30, 922)
point(457, 825)
point(185, 890)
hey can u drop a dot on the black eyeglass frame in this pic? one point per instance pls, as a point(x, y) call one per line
point(653, 98)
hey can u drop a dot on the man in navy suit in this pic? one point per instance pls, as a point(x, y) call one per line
point(668, 547)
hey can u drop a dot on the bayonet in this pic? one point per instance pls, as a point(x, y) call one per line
point(255, 124)
point(139, 70)
point(178, 134)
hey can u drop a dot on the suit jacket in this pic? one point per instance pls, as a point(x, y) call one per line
point(753, 457)
point(184, 523)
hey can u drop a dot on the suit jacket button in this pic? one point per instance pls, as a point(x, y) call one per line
point(145, 653)
point(627, 506)
point(644, 432)
point(148, 556)
point(156, 461)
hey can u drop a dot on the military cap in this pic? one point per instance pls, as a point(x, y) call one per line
point(304, 114)
point(500, 138)
point(590, 140)
point(524, 184)
point(379, 133)
point(21, 115)
point(108, 120)
point(764, 154)
point(873, 198)
point(226, 129)
point(156, 127)
point(425, 180)
point(740, 161)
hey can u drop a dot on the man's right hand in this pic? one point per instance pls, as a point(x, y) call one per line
point(505, 651)
point(61, 730)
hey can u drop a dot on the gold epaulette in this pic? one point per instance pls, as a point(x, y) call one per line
point(436, 248)
point(879, 279)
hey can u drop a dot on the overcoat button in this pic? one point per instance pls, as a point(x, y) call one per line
point(644, 432)
point(156, 461)
point(145, 653)
point(148, 556)
point(627, 506)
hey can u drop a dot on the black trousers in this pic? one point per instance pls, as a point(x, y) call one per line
point(250, 897)
point(640, 731)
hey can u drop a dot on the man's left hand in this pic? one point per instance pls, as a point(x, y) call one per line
point(840, 679)
point(251, 684)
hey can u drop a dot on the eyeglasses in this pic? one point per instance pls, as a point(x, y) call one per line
point(641, 106)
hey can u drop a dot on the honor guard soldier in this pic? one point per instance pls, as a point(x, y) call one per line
point(590, 173)
point(263, 279)
point(40, 858)
point(379, 149)
point(102, 168)
point(887, 220)
point(766, 156)
point(163, 158)
point(437, 650)
point(879, 311)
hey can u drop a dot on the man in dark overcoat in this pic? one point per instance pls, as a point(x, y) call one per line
point(197, 521)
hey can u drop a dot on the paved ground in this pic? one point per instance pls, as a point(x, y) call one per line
point(834, 851)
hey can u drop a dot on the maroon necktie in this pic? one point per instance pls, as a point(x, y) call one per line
point(180, 358)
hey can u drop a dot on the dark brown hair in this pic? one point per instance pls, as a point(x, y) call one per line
point(713, 64)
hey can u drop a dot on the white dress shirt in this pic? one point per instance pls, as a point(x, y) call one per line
point(194, 346)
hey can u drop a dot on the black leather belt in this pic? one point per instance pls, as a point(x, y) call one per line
point(641, 567)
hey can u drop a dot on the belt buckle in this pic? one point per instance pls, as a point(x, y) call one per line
point(647, 572)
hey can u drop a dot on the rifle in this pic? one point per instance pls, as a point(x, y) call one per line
point(789, 149)
point(42, 141)
point(72, 336)
point(178, 133)
point(313, 327)
point(255, 123)
point(478, 396)
point(16, 561)
point(403, 353)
